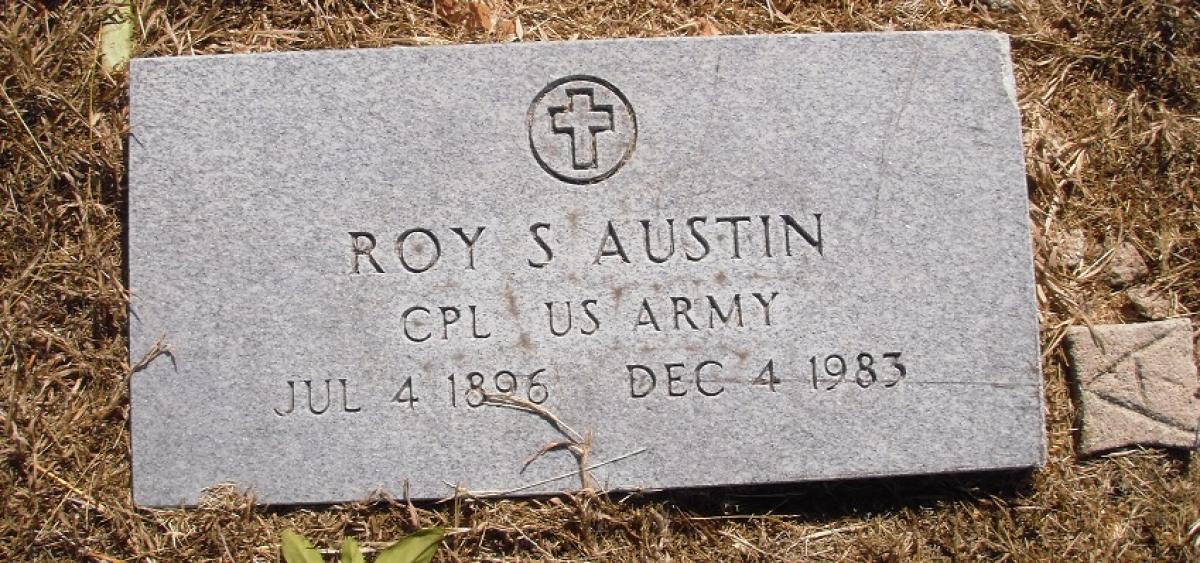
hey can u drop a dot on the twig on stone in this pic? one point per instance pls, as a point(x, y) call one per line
point(160, 348)
point(523, 405)
point(579, 445)
point(459, 489)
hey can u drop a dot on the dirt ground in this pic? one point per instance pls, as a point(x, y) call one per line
point(1111, 110)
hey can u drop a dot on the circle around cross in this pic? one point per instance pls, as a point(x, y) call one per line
point(582, 129)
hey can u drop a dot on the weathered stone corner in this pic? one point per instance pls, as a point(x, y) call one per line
point(1135, 384)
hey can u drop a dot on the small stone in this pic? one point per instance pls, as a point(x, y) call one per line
point(1069, 249)
point(1135, 384)
point(1126, 266)
point(1149, 304)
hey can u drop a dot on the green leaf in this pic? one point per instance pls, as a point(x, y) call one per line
point(416, 548)
point(350, 552)
point(116, 38)
point(296, 549)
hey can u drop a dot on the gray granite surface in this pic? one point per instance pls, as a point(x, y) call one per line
point(718, 227)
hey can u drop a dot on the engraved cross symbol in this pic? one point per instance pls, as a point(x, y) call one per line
point(567, 122)
point(582, 119)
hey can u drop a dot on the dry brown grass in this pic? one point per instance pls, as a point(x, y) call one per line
point(1111, 105)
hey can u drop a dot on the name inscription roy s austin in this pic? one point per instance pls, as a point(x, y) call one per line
point(418, 250)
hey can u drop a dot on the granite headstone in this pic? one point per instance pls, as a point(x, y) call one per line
point(693, 262)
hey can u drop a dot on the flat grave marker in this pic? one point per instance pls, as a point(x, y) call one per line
point(719, 261)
